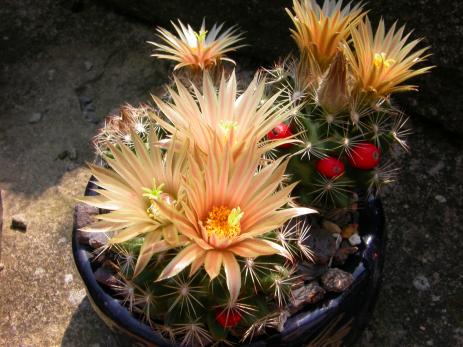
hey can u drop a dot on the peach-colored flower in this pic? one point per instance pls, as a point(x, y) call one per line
point(230, 205)
point(197, 50)
point(203, 117)
point(381, 62)
point(130, 188)
point(322, 29)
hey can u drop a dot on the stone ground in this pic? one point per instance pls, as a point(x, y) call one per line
point(96, 54)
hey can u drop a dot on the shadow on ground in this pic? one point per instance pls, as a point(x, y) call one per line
point(84, 319)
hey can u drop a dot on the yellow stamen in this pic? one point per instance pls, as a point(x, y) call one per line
point(380, 60)
point(227, 126)
point(201, 36)
point(224, 222)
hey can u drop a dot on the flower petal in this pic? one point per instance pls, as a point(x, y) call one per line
point(213, 263)
point(233, 274)
point(252, 248)
point(133, 231)
point(181, 261)
point(195, 265)
point(170, 234)
point(146, 252)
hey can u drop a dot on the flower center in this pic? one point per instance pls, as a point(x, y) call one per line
point(227, 126)
point(201, 36)
point(153, 195)
point(224, 222)
point(380, 60)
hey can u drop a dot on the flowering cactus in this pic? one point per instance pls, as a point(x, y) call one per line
point(343, 82)
point(198, 193)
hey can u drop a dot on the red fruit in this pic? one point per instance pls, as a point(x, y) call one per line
point(281, 131)
point(365, 156)
point(227, 318)
point(330, 167)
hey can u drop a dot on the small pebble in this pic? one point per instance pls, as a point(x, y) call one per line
point(315, 292)
point(322, 244)
point(68, 278)
point(98, 240)
point(309, 294)
point(35, 118)
point(106, 277)
point(421, 283)
point(355, 240)
point(336, 280)
point(19, 222)
point(440, 199)
point(343, 252)
point(83, 216)
point(62, 240)
point(88, 65)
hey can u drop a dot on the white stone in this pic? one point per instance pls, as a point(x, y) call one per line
point(421, 283)
point(441, 199)
point(68, 278)
point(355, 240)
point(62, 240)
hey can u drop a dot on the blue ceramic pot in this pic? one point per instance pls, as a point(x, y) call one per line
point(337, 320)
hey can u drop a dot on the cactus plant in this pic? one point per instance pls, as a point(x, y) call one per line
point(198, 193)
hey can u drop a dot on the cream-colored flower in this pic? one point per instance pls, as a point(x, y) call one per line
point(197, 50)
point(381, 62)
point(131, 188)
point(230, 205)
point(321, 30)
point(203, 117)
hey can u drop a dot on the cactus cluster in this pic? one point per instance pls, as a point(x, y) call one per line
point(341, 83)
point(205, 232)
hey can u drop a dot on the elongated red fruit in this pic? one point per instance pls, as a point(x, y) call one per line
point(281, 131)
point(330, 167)
point(365, 156)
